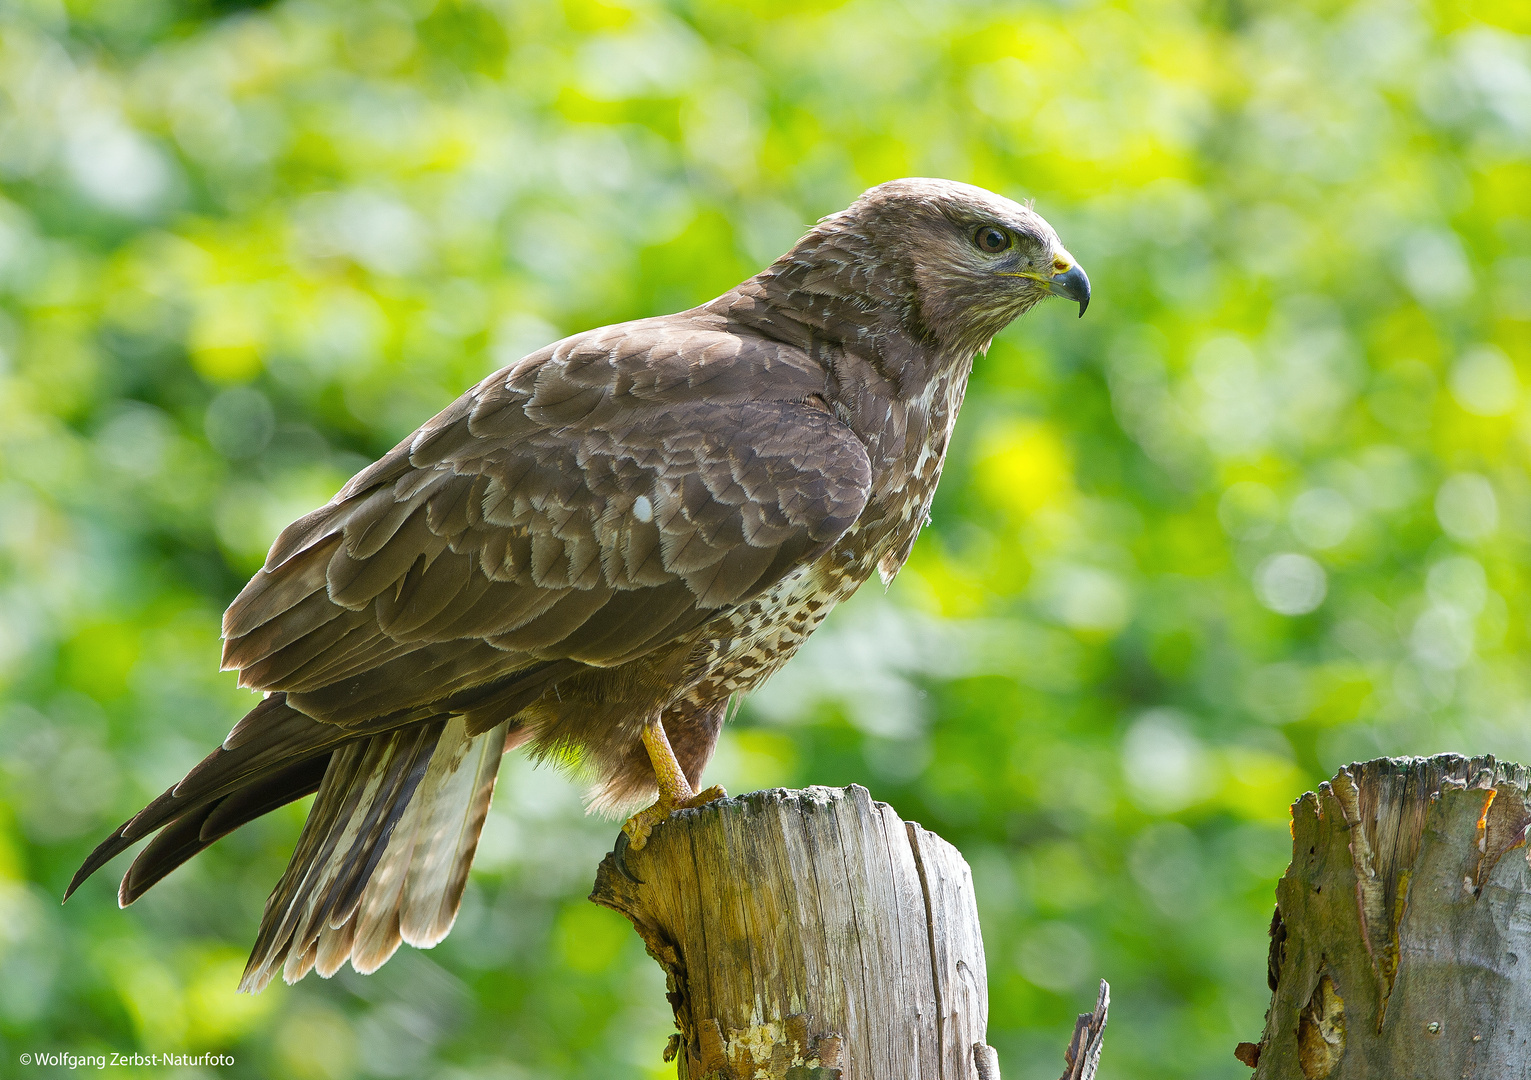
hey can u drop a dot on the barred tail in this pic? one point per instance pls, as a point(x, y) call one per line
point(384, 855)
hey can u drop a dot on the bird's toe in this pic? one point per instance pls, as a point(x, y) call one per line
point(640, 825)
point(703, 797)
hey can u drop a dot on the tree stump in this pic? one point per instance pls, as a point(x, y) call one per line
point(1401, 944)
point(810, 935)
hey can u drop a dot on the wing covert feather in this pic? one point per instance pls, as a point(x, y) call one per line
point(598, 499)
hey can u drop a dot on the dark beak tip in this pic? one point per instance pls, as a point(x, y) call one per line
point(1073, 284)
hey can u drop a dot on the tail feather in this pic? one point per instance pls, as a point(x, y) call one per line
point(415, 892)
point(365, 790)
point(365, 841)
point(334, 948)
point(384, 857)
point(277, 737)
point(192, 832)
point(447, 836)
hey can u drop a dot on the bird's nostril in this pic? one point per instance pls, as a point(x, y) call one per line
point(1061, 265)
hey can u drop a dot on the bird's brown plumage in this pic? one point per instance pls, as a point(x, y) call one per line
point(641, 520)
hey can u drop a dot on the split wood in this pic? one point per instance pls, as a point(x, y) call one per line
point(813, 935)
point(1401, 944)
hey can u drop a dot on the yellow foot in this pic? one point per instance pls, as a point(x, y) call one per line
point(642, 823)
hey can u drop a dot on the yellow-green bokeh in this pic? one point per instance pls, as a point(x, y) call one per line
point(1263, 511)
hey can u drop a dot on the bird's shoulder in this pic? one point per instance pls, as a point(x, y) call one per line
point(606, 378)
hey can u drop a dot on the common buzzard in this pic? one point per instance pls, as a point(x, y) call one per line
point(589, 554)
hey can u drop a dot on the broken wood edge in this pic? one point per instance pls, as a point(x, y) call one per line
point(609, 892)
point(1082, 1057)
point(702, 1047)
point(1390, 826)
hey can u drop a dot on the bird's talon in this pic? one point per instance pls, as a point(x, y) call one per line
point(641, 824)
point(619, 857)
point(703, 797)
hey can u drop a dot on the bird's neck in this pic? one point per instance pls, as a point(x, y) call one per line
point(881, 366)
point(802, 305)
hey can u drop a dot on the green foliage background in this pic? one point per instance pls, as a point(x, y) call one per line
point(1264, 511)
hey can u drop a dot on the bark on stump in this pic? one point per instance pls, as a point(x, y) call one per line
point(1401, 944)
point(810, 935)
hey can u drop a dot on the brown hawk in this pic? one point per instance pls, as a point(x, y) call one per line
point(589, 554)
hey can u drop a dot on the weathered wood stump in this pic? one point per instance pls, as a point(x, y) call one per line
point(810, 935)
point(1401, 945)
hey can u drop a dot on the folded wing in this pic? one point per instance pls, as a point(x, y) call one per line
point(598, 501)
point(583, 506)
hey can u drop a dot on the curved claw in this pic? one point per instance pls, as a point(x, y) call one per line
point(619, 857)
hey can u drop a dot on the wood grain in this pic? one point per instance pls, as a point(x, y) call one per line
point(810, 935)
point(1401, 945)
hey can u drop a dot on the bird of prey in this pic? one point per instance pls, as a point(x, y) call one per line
point(589, 554)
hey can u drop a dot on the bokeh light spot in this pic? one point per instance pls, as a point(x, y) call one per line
point(1291, 584)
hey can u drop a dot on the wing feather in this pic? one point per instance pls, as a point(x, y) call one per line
point(599, 498)
point(318, 656)
point(191, 833)
point(428, 588)
point(271, 594)
point(301, 619)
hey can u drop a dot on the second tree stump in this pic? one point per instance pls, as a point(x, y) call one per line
point(1401, 945)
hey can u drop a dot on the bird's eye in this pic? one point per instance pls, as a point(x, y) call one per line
point(991, 240)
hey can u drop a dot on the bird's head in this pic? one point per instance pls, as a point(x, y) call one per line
point(964, 261)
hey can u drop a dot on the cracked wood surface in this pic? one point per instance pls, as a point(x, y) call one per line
point(810, 935)
point(1401, 944)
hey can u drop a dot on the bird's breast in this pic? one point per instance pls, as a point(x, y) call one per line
point(741, 648)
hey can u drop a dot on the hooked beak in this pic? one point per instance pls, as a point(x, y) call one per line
point(1071, 284)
